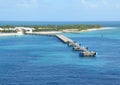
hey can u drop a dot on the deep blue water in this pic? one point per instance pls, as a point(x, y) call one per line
point(44, 60)
point(28, 23)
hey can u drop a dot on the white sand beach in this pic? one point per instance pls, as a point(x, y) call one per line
point(95, 29)
point(9, 34)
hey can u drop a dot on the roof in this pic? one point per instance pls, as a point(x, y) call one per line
point(25, 28)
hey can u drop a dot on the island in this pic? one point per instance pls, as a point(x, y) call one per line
point(49, 28)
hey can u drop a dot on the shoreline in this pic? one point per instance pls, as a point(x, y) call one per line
point(56, 32)
point(9, 34)
point(94, 29)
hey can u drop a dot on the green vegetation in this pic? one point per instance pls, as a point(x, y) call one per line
point(64, 27)
point(7, 26)
point(7, 29)
point(38, 28)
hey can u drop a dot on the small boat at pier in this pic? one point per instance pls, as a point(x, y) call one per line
point(87, 54)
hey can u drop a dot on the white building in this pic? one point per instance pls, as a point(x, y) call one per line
point(28, 30)
point(1, 29)
point(23, 30)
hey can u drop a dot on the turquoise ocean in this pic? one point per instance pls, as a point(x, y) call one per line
point(45, 60)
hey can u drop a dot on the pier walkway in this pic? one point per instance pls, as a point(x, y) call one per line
point(44, 33)
point(64, 38)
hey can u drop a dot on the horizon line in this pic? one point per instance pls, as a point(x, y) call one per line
point(53, 21)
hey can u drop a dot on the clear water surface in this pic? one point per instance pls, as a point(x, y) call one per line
point(45, 60)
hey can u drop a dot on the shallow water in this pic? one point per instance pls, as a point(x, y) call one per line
point(44, 60)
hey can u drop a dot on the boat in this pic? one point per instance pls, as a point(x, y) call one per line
point(87, 54)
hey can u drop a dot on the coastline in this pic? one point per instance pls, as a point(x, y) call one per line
point(9, 34)
point(94, 29)
point(56, 32)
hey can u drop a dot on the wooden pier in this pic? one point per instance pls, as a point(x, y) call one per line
point(64, 38)
point(44, 33)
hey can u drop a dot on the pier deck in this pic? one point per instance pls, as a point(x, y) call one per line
point(64, 38)
point(43, 33)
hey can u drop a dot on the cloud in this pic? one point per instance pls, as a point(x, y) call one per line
point(28, 4)
point(95, 4)
point(88, 4)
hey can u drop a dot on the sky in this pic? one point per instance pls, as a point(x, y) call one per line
point(59, 10)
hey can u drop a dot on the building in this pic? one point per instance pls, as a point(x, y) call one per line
point(1, 29)
point(23, 30)
point(28, 30)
